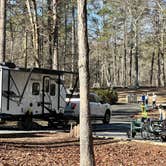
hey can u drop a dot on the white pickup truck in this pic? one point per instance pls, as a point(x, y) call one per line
point(98, 109)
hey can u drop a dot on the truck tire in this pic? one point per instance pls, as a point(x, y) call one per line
point(106, 119)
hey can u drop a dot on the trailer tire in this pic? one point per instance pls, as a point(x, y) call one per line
point(2, 121)
point(26, 121)
point(163, 138)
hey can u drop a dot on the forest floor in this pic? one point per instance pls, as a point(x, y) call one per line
point(60, 149)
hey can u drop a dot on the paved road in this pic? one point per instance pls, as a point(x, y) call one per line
point(119, 123)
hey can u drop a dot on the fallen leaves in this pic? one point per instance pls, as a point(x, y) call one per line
point(64, 151)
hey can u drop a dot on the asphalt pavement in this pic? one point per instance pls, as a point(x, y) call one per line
point(120, 122)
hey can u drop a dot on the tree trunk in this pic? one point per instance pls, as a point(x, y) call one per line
point(151, 71)
point(162, 42)
point(35, 29)
point(55, 57)
point(2, 30)
point(74, 58)
point(131, 51)
point(124, 60)
point(41, 41)
point(11, 42)
point(131, 62)
point(73, 40)
point(136, 83)
point(124, 72)
point(49, 34)
point(163, 68)
point(65, 38)
point(25, 49)
point(159, 69)
point(158, 26)
point(158, 50)
point(115, 60)
point(36, 35)
point(86, 140)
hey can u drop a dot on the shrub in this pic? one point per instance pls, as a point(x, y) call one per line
point(113, 96)
point(109, 96)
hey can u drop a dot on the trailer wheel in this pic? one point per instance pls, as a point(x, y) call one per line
point(163, 138)
point(2, 121)
point(26, 121)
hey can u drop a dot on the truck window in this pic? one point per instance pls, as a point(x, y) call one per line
point(52, 89)
point(92, 98)
point(98, 99)
point(35, 88)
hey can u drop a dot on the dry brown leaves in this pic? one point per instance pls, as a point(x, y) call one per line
point(56, 150)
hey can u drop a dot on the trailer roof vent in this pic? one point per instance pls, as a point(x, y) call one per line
point(8, 64)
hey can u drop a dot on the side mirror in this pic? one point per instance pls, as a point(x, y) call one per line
point(101, 101)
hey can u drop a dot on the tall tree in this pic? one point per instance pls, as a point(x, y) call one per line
point(152, 66)
point(55, 61)
point(86, 141)
point(2, 29)
point(32, 11)
point(49, 21)
point(125, 46)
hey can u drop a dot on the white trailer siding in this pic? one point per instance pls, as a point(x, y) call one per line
point(27, 93)
point(19, 80)
point(17, 83)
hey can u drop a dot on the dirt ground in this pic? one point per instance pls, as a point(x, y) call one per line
point(59, 149)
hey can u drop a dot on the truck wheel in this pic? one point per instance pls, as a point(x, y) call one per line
point(106, 117)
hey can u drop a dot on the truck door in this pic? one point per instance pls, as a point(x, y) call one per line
point(99, 106)
point(93, 105)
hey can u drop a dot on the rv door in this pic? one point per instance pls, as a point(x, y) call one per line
point(47, 99)
point(53, 95)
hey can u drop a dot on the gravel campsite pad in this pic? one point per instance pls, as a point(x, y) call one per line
point(61, 150)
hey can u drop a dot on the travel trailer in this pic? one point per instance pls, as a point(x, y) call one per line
point(27, 93)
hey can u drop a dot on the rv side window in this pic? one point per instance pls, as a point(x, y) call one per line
point(52, 89)
point(46, 88)
point(35, 88)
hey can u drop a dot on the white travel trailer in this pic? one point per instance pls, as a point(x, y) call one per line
point(33, 92)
